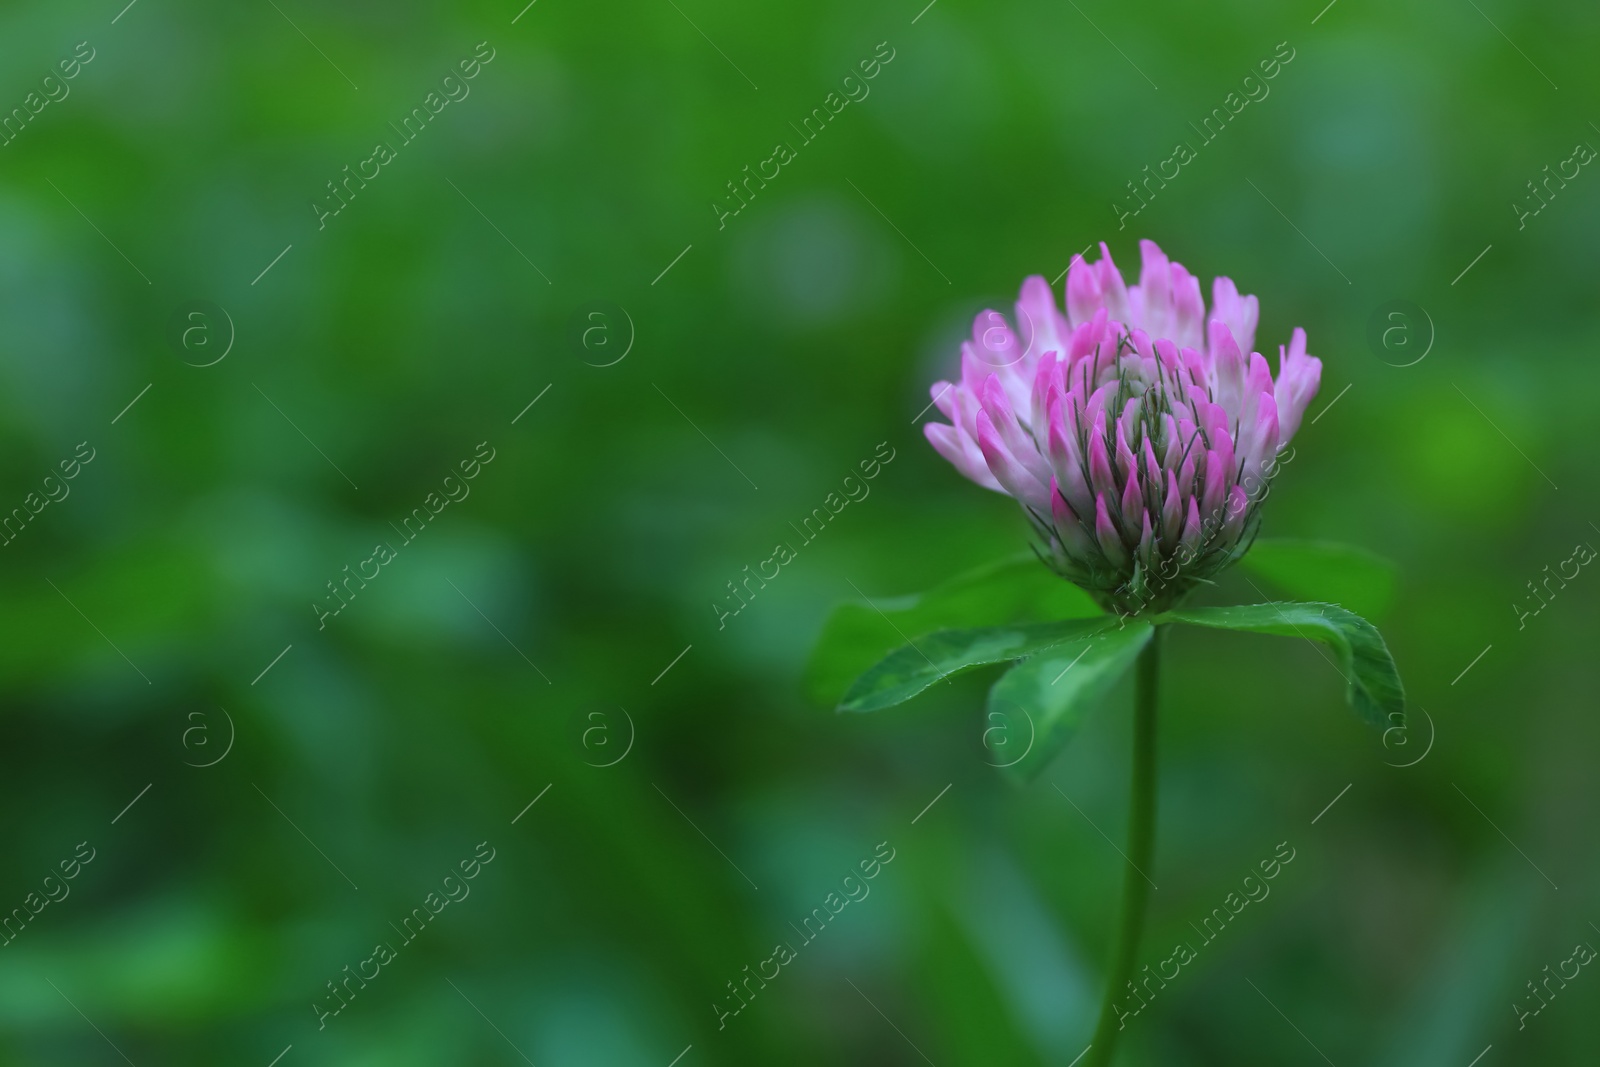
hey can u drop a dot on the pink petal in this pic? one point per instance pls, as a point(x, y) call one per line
point(1045, 381)
point(1086, 336)
point(1132, 499)
point(1171, 510)
point(1238, 507)
point(1110, 541)
point(1192, 529)
point(1083, 291)
point(1229, 365)
point(1043, 328)
point(1113, 291)
point(998, 351)
point(962, 452)
point(1155, 290)
point(1013, 476)
point(1100, 476)
point(1069, 530)
point(1174, 446)
point(1152, 469)
point(1066, 459)
point(1299, 375)
point(1258, 379)
point(1186, 477)
point(1167, 355)
point(1021, 446)
point(1095, 409)
point(1263, 445)
point(1223, 444)
point(1198, 364)
point(994, 340)
point(1188, 326)
point(974, 371)
point(1239, 312)
point(1216, 485)
point(1126, 464)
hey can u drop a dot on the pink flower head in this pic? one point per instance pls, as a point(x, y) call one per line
point(1139, 432)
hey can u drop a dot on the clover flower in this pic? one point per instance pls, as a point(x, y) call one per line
point(1141, 435)
point(1139, 432)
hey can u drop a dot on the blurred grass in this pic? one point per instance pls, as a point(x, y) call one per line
point(796, 339)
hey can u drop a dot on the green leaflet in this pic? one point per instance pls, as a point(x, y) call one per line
point(1070, 665)
point(907, 671)
point(1375, 691)
point(1052, 691)
point(1018, 589)
point(1325, 571)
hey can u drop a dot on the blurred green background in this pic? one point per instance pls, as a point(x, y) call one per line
point(523, 640)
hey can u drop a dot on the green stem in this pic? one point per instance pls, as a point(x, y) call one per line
point(1141, 847)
